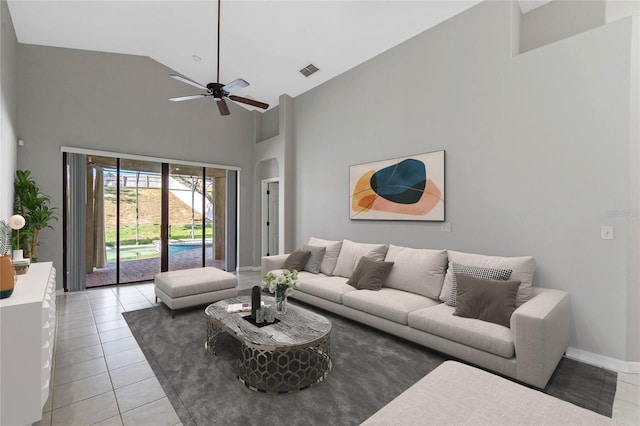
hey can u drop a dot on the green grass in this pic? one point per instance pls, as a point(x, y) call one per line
point(147, 234)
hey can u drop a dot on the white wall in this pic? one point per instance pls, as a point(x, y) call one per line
point(537, 155)
point(8, 110)
point(119, 103)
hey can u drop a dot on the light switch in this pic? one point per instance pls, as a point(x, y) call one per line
point(445, 227)
point(606, 233)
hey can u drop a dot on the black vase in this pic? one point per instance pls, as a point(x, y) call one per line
point(255, 300)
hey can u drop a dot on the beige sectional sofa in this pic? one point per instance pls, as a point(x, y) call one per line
point(411, 304)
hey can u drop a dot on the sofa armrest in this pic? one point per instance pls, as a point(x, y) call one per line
point(269, 263)
point(540, 330)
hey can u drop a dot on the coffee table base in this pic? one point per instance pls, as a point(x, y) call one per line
point(284, 370)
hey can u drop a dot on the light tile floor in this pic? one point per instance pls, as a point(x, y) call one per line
point(101, 376)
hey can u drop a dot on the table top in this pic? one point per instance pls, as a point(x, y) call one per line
point(298, 326)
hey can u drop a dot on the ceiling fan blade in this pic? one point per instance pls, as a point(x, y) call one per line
point(251, 102)
point(186, 98)
point(235, 85)
point(186, 80)
point(222, 106)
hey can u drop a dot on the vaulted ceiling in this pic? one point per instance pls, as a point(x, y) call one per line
point(264, 42)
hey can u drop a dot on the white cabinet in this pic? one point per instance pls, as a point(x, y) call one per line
point(27, 334)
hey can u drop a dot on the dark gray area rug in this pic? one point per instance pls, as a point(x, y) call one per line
point(370, 368)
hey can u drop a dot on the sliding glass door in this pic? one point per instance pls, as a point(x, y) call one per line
point(139, 211)
point(140, 217)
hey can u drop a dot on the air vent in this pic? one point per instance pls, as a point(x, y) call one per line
point(308, 70)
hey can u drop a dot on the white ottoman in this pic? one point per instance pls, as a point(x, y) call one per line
point(193, 287)
point(456, 394)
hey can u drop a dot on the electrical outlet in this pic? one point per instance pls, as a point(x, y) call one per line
point(445, 227)
point(606, 232)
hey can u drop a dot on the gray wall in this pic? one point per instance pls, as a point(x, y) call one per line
point(8, 110)
point(537, 155)
point(118, 103)
point(560, 19)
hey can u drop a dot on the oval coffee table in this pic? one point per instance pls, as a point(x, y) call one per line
point(283, 357)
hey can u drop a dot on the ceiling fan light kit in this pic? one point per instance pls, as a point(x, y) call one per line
point(217, 90)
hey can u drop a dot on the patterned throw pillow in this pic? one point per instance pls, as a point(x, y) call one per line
point(477, 272)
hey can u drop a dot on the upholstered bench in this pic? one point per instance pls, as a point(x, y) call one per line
point(455, 394)
point(193, 287)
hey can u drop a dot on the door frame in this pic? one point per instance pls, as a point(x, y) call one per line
point(264, 208)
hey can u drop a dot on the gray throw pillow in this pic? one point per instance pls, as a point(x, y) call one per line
point(478, 272)
point(486, 300)
point(315, 260)
point(296, 260)
point(370, 274)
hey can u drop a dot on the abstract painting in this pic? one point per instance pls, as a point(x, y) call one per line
point(406, 188)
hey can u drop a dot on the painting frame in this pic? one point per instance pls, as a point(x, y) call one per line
point(409, 188)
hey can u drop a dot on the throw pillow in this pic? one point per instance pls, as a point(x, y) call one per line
point(486, 300)
point(523, 269)
point(315, 260)
point(296, 260)
point(370, 274)
point(330, 256)
point(477, 272)
point(351, 253)
point(419, 271)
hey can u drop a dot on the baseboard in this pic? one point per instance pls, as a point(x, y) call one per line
point(248, 268)
point(603, 361)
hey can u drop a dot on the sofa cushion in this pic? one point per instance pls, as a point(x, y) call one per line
point(328, 264)
point(370, 274)
point(475, 271)
point(296, 260)
point(483, 335)
point(486, 300)
point(388, 303)
point(329, 288)
point(419, 271)
point(522, 267)
point(315, 260)
point(351, 253)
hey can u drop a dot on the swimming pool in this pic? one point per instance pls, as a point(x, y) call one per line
point(148, 251)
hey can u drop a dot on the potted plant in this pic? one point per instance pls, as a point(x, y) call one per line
point(36, 210)
point(7, 276)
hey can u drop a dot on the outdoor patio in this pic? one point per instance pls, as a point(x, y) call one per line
point(146, 269)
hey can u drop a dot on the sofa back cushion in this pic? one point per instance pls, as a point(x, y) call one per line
point(351, 253)
point(330, 255)
point(419, 271)
point(522, 270)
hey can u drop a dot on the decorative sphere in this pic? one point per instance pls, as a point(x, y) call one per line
point(16, 221)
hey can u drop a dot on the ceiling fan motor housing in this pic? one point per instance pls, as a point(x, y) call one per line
point(215, 89)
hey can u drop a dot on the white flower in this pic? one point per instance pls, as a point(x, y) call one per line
point(287, 279)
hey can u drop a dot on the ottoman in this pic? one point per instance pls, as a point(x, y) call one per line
point(193, 287)
point(456, 394)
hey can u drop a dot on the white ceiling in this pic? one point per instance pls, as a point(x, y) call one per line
point(265, 42)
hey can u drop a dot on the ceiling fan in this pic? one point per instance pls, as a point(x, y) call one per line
point(218, 90)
